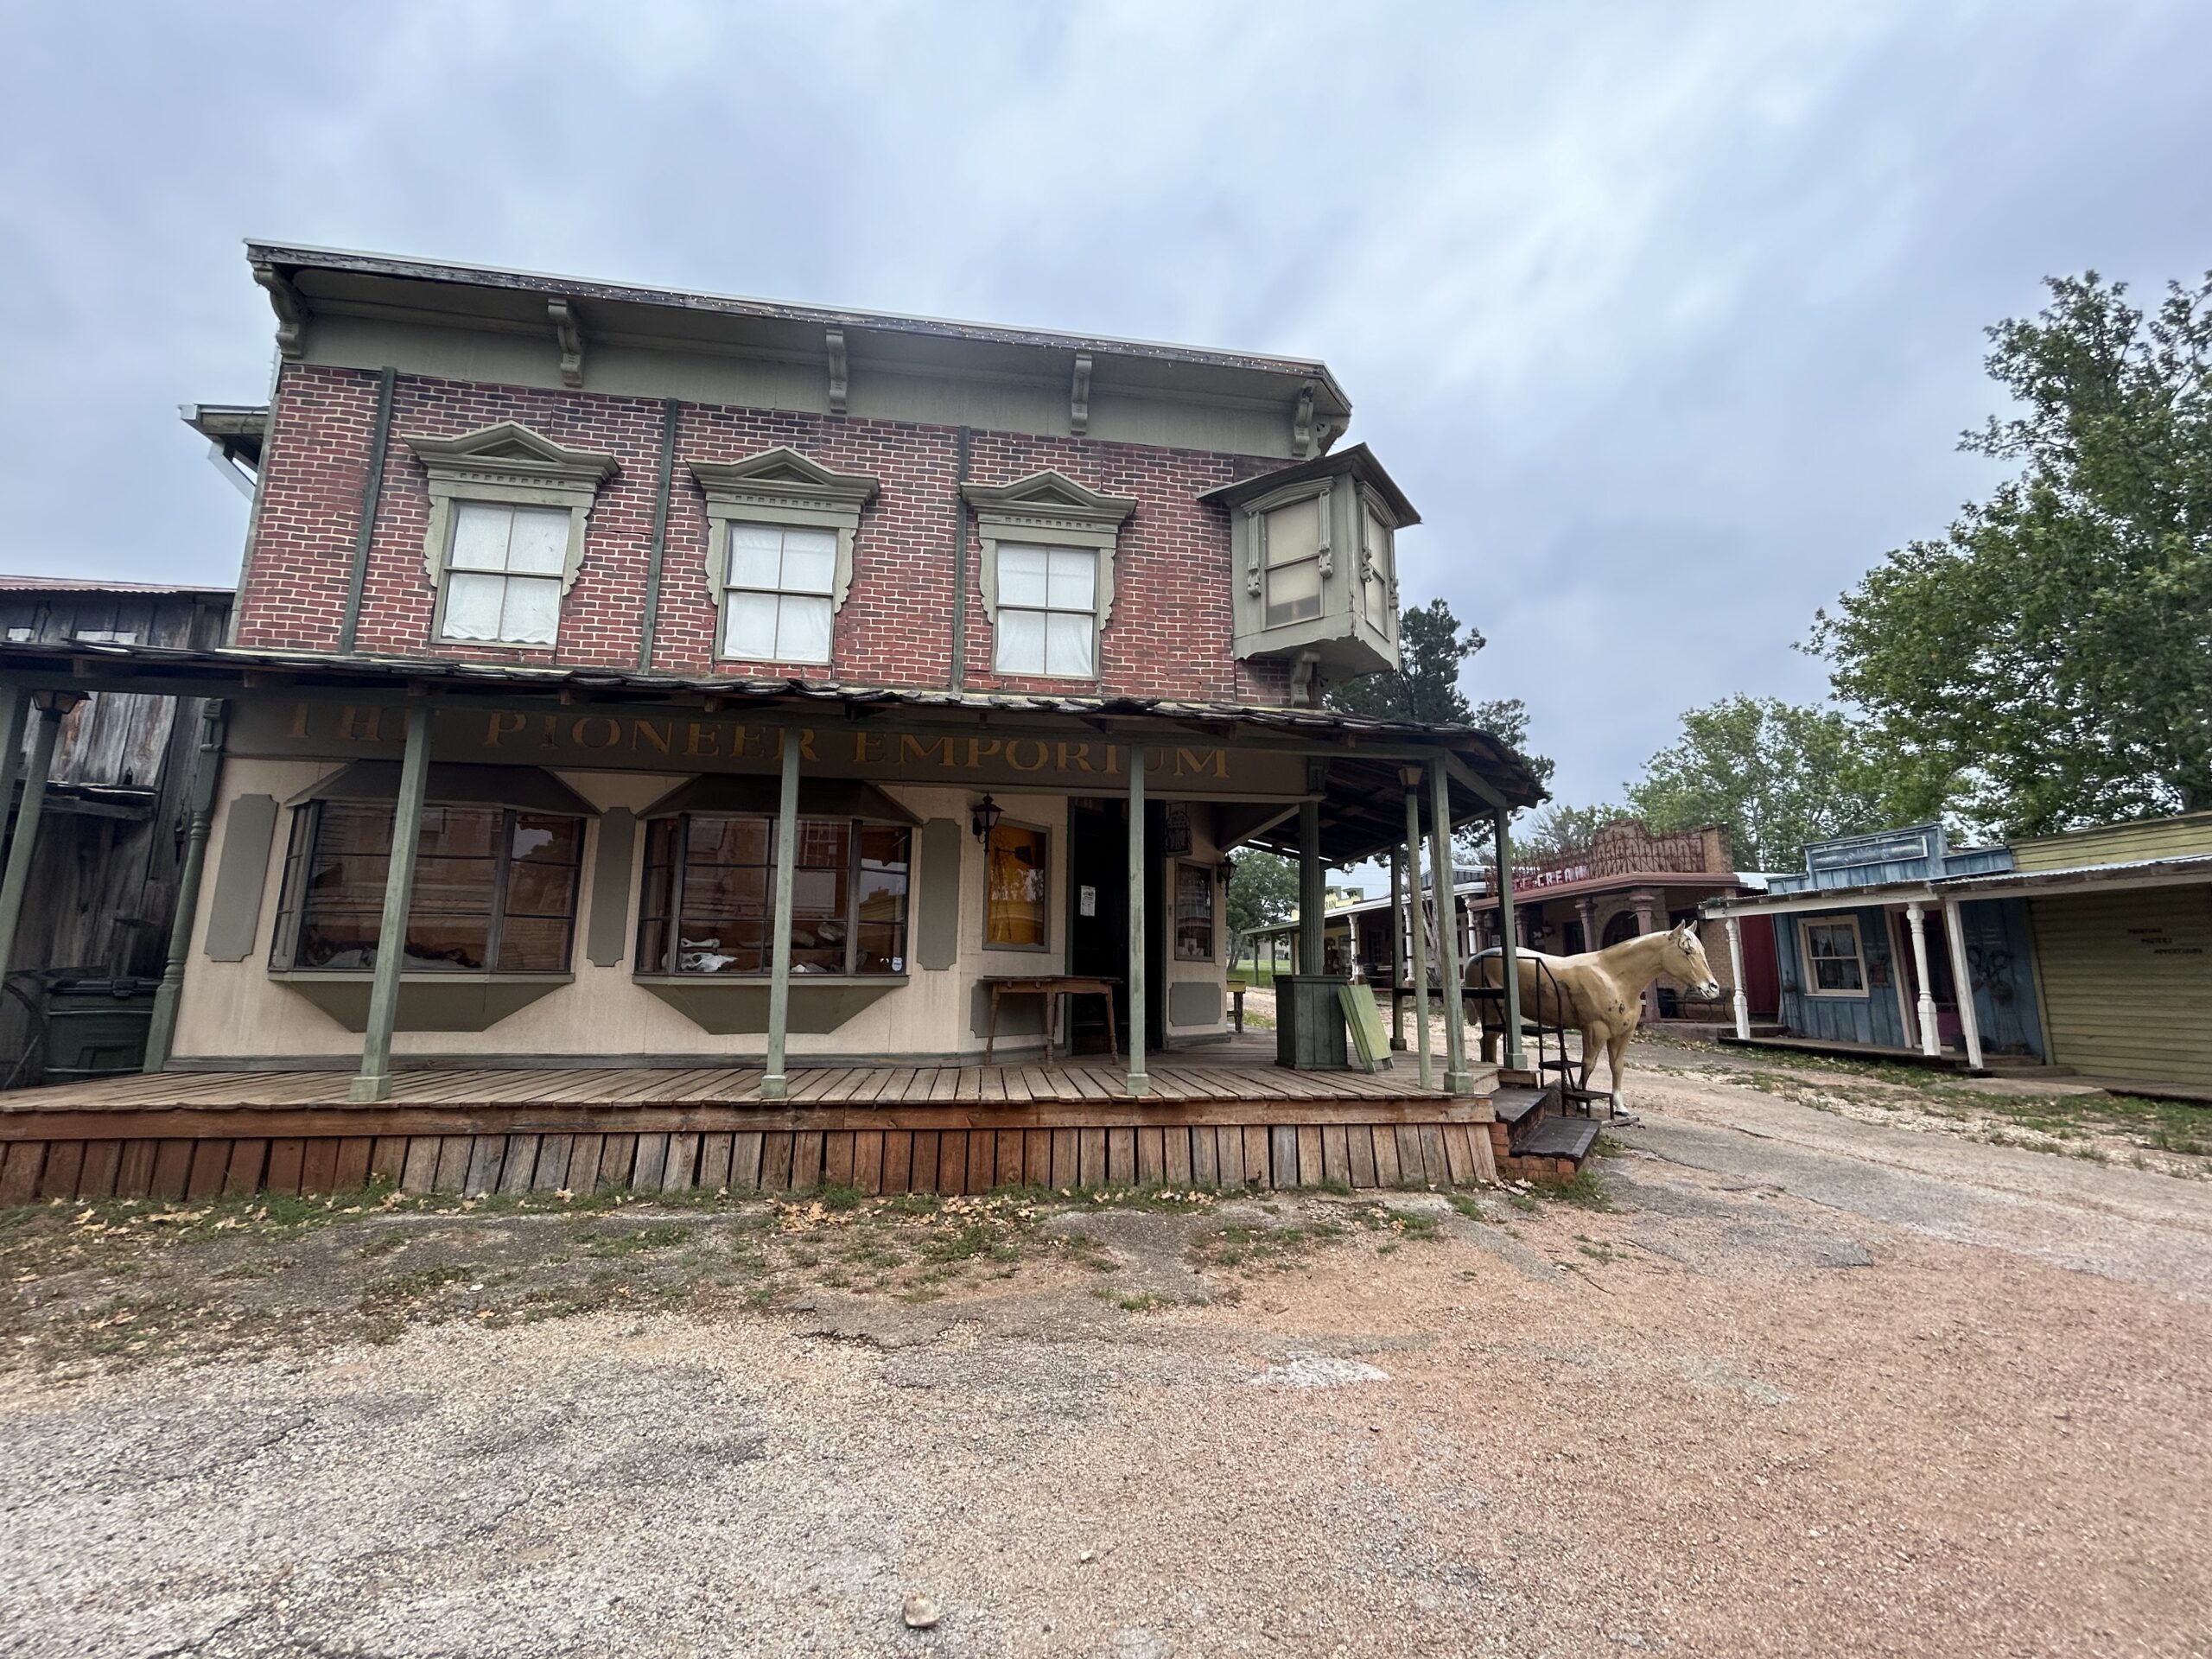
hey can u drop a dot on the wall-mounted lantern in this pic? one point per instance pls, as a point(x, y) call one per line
point(987, 813)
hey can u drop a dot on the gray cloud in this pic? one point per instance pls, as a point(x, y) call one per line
point(1667, 316)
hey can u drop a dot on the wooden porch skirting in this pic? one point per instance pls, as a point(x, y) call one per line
point(963, 1129)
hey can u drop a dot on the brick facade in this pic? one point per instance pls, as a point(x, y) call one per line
point(1170, 633)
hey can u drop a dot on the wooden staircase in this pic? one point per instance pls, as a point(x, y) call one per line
point(1534, 1139)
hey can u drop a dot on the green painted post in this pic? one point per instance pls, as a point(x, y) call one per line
point(774, 1085)
point(161, 1031)
point(1507, 949)
point(24, 845)
point(1457, 1080)
point(1410, 777)
point(11, 748)
point(373, 1082)
point(1139, 1083)
point(1397, 950)
point(365, 531)
point(1312, 896)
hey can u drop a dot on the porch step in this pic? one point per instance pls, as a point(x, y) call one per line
point(1568, 1138)
point(1512, 1103)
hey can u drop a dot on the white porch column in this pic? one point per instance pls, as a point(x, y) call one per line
point(1963, 982)
point(1736, 960)
point(1932, 1042)
point(775, 1081)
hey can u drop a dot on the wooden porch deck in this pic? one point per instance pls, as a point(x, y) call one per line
point(1224, 1115)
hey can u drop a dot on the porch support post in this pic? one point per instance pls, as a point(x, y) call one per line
point(1311, 894)
point(18, 707)
point(161, 1031)
point(774, 1085)
point(1644, 902)
point(1508, 945)
point(1930, 1042)
point(1736, 961)
point(1456, 1080)
point(1139, 1084)
point(1410, 777)
point(17, 882)
point(1585, 912)
point(374, 1081)
point(1397, 948)
point(1962, 979)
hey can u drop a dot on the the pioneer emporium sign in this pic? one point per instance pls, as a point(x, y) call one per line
point(686, 743)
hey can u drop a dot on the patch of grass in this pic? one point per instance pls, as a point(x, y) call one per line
point(1143, 1302)
point(657, 1235)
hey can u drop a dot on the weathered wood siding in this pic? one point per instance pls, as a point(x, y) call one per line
point(2118, 843)
point(2000, 966)
point(104, 881)
point(2127, 982)
point(1870, 1018)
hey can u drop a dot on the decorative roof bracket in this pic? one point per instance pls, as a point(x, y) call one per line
point(291, 310)
point(1079, 396)
point(1301, 426)
point(834, 338)
point(567, 329)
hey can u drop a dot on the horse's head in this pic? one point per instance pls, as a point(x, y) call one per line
point(1686, 961)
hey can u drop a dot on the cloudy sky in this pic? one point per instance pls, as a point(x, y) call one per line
point(1667, 315)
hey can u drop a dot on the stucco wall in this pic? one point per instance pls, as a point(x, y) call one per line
point(235, 1010)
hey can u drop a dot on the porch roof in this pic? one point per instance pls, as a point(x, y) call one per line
point(1363, 812)
point(2188, 869)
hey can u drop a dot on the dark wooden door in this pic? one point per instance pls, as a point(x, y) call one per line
point(1098, 915)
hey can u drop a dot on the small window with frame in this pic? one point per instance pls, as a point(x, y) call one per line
point(503, 574)
point(1017, 871)
point(1297, 560)
point(782, 584)
point(1835, 963)
point(1193, 912)
point(1048, 612)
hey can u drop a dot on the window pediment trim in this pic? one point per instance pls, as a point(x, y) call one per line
point(509, 464)
point(778, 486)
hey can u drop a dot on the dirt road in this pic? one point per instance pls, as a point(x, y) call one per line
point(1809, 1386)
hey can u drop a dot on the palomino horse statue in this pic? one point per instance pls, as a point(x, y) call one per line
point(1599, 992)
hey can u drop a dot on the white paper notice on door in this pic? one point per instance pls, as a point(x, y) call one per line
point(1086, 901)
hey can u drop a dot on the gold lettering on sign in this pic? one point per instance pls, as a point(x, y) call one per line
point(1013, 754)
point(868, 748)
point(497, 726)
point(1073, 756)
point(299, 720)
point(580, 734)
point(910, 747)
point(702, 739)
point(1113, 760)
point(651, 734)
point(980, 749)
point(549, 731)
point(1199, 763)
point(352, 727)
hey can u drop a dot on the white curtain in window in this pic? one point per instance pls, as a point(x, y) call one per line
point(505, 584)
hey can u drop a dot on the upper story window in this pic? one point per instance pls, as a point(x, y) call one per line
point(1048, 612)
point(1047, 573)
point(709, 896)
point(1296, 540)
point(502, 577)
point(505, 538)
point(782, 593)
point(780, 528)
point(495, 888)
point(1314, 549)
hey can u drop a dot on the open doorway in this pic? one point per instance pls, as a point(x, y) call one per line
point(1098, 917)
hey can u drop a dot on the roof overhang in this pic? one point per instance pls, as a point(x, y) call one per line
point(236, 429)
point(1357, 463)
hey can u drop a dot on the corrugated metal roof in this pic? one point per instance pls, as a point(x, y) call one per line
point(15, 584)
point(1503, 768)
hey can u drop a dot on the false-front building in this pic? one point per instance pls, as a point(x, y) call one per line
point(628, 679)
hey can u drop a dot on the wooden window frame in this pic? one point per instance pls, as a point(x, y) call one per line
point(1044, 905)
point(1213, 912)
point(1805, 925)
point(667, 965)
point(786, 490)
point(300, 855)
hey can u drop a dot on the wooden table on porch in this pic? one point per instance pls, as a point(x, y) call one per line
point(1052, 988)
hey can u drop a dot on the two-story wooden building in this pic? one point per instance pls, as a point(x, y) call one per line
point(727, 695)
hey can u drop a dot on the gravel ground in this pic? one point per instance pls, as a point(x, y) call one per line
point(1810, 1386)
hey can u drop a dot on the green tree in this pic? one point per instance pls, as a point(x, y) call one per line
point(1433, 650)
point(1779, 775)
point(2056, 645)
point(1263, 889)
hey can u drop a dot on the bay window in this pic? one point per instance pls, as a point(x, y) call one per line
point(709, 905)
